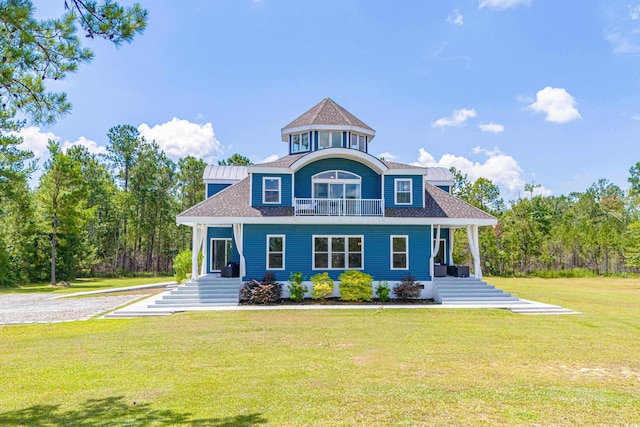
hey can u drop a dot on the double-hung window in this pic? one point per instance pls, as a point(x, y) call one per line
point(271, 190)
point(299, 142)
point(329, 140)
point(337, 252)
point(275, 252)
point(399, 252)
point(403, 191)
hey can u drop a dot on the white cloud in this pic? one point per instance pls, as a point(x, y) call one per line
point(500, 168)
point(270, 158)
point(455, 17)
point(36, 141)
point(634, 12)
point(636, 117)
point(458, 118)
point(179, 138)
point(387, 156)
point(91, 146)
point(557, 104)
point(491, 127)
point(502, 4)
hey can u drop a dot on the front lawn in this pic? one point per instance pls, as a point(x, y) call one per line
point(89, 284)
point(338, 367)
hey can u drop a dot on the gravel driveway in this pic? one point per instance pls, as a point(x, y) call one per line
point(42, 308)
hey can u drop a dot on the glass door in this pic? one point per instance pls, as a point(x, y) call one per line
point(220, 253)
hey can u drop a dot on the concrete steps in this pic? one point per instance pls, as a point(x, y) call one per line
point(471, 292)
point(206, 291)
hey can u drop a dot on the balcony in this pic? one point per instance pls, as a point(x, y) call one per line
point(338, 207)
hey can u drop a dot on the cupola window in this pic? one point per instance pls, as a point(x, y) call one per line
point(329, 140)
point(299, 142)
point(358, 142)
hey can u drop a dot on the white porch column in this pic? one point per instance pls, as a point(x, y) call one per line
point(238, 238)
point(195, 234)
point(451, 234)
point(474, 247)
point(201, 248)
point(434, 250)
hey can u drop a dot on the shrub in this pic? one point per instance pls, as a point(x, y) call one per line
point(265, 292)
point(355, 286)
point(296, 288)
point(408, 288)
point(383, 291)
point(182, 265)
point(322, 286)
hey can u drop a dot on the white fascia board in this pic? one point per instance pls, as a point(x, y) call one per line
point(436, 183)
point(369, 220)
point(406, 172)
point(267, 169)
point(342, 153)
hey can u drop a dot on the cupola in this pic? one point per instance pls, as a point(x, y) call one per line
point(327, 125)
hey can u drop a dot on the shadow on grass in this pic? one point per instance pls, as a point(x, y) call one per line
point(115, 411)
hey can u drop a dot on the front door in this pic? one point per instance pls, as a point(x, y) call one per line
point(220, 253)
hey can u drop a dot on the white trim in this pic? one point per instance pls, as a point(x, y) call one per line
point(341, 153)
point(270, 170)
point(449, 222)
point(226, 247)
point(264, 189)
point(395, 191)
point(330, 252)
point(392, 253)
point(284, 239)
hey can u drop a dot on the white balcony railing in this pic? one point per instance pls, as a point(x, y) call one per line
point(338, 207)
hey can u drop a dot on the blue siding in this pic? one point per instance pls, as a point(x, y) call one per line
point(370, 179)
point(417, 187)
point(299, 249)
point(444, 188)
point(256, 188)
point(215, 188)
point(220, 233)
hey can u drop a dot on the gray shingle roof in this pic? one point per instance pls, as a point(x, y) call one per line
point(234, 201)
point(327, 112)
point(440, 204)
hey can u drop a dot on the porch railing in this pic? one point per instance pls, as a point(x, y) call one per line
point(338, 207)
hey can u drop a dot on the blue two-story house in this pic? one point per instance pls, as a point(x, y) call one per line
point(330, 206)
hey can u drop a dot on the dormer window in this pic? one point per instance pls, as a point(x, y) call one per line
point(299, 142)
point(329, 140)
point(358, 142)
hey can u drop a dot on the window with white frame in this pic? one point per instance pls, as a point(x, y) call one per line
point(271, 189)
point(275, 252)
point(329, 140)
point(399, 252)
point(337, 252)
point(299, 142)
point(358, 142)
point(403, 187)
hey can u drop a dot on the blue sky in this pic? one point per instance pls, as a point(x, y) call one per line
point(518, 91)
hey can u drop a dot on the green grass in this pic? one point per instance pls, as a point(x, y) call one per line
point(81, 285)
point(338, 367)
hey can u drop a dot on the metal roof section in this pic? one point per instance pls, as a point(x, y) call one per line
point(224, 174)
point(327, 115)
point(439, 176)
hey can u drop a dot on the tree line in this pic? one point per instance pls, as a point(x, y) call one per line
point(594, 232)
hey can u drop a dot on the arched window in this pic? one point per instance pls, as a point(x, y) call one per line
point(336, 185)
